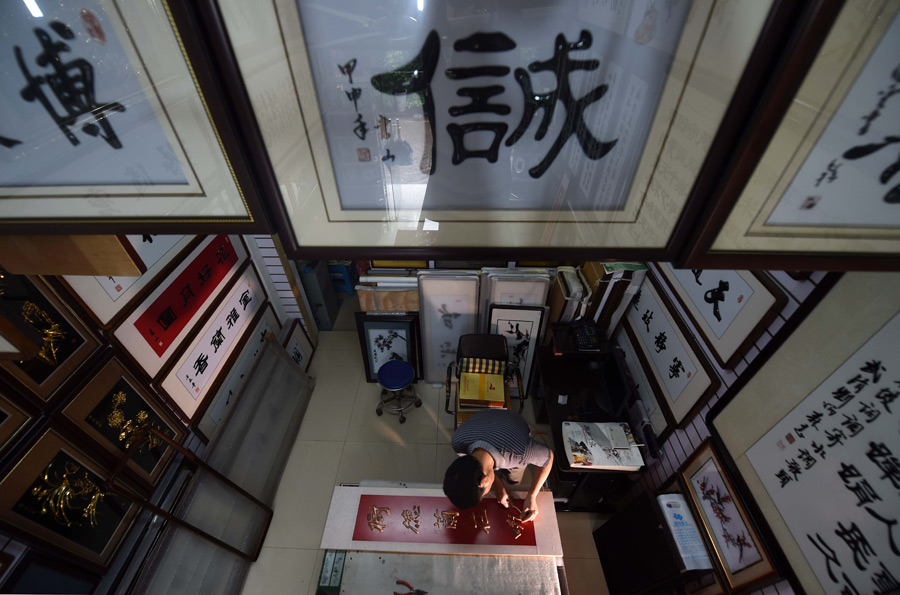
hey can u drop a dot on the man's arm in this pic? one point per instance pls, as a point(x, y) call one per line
point(538, 479)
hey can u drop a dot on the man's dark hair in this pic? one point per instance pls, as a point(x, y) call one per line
point(461, 482)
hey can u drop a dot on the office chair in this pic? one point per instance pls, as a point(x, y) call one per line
point(487, 354)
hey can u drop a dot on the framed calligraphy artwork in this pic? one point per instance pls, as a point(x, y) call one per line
point(298, 345)
point(423, 132)
point(192, 376)
point(729, 309)
point(153, 331)
point(65, 342)
point(646, 393)
point(386, 337)
point(113, 409)
point(448, 307)
point(521, 326)
point(817, 179)
point(229, 391)
point(819, 452)
point(740, 556)
point(56, 497)
point(107, 297)
point(109, 125)
point(680, 374)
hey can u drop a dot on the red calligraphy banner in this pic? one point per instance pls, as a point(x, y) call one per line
point(439, 521)
point(173, 309)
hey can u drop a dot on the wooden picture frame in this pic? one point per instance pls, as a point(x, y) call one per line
point(683, 386)
point(169, 314)
point(66, 341)
point(50, 464)
point(738, 551)
point(298, 345)
point(227, 392)
point(108, 298)
point(110, 406)
point(377, 336)
point(737, 49)
point(753, 302)
point(522, 327)
point(195, 374)
point(852, 333)
point(161, 155)
point(13, 419)
point(780, 199)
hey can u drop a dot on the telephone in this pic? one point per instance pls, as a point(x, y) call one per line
point(586, 338)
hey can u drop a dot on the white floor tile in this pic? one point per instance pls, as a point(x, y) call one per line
point(585, 576)
point(303, 498)
point(387, 461)
point(331, 407)
point(280, 570)
point(340, 340)
point(367, 426)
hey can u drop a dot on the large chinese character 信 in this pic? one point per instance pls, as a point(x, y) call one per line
point(561, 65)
point(70, 85)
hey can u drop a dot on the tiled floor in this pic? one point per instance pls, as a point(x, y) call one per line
point(343, 441)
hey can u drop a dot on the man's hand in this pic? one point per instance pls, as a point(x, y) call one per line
point(530, 510)
point(502, 494)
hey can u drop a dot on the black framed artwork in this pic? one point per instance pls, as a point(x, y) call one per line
point(386, 337)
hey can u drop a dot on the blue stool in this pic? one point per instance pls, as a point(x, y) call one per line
point(396, 378)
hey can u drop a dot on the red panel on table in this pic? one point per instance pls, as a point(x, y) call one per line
point(168, 315)
point(500, 532)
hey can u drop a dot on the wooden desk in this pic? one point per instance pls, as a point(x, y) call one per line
point(596, 391)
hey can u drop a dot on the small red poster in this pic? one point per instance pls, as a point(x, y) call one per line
point(422, 519)
point(177, 304)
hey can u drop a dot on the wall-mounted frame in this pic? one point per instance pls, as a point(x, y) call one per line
point(13, 419)
point(355, 143)
point(149, 146)
point(729, 533)
point(298, 345)
point(521, 326)
point(729, 309)
point(384, 337)
point(111, 407)
point(106, 298)
point(681, 376)
point(155, 329)
point(197, 372)
point(88, 524)
point(644, 389)
point(798, 464)
point(66, 343)
point(818, 140)
point(228, 391)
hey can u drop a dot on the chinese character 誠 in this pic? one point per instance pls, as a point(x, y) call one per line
point(416, 77)
point(71, 87)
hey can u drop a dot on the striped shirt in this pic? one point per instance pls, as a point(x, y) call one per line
point(504, 435)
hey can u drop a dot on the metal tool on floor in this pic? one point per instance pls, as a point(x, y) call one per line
point(412, 591)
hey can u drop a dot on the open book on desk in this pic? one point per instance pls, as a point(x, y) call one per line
point(601, 446)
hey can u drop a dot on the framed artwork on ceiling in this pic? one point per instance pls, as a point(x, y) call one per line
point(89, 523)
point(403, 164)
point(298, 345)
point(739, 553)
point(110, 125)
point(521, 326)
point(681, 376)
point(817, 178)
point(819, 460)
point(65, 345)
point(386, 337)
point(108, 297)
point(194, 375)
point(112, 408)
point(155, 328)
point(729, 309)
point(229, 389)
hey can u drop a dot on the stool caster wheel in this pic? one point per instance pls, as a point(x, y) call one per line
point(418, 402)
point(402, 419)
point(379, 412)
